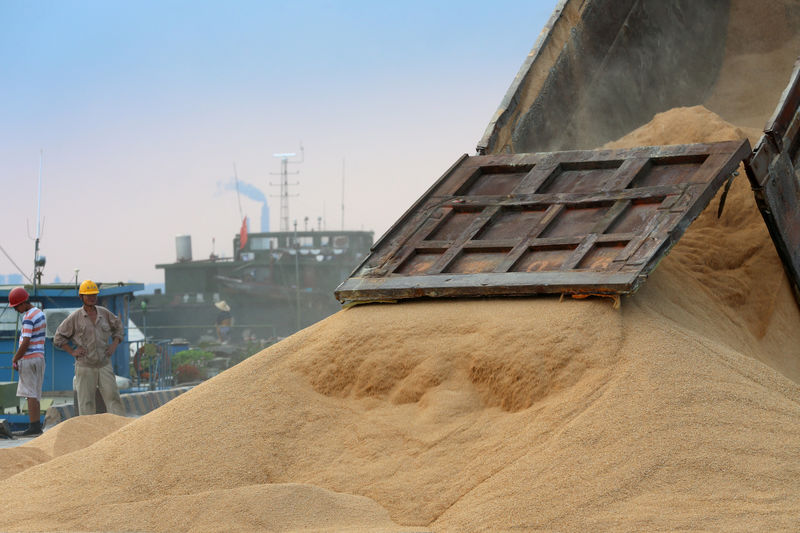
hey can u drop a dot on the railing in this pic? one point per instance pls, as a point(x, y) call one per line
point(152, 365)
point(6, 333)
point(152, 332)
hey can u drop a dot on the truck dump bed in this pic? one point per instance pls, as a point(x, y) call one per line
point(602, 68)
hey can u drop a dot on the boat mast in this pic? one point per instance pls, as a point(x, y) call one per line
point(238, 196)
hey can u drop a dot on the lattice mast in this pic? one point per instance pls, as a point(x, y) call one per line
point(284, 184)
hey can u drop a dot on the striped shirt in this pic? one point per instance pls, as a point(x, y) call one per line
point(34, 327)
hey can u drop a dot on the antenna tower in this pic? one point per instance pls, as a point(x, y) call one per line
point(284, 184)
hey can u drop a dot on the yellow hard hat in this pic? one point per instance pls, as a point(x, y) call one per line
point(88, 287)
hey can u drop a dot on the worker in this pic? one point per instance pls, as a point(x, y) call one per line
point(224, 321)
point(89, 329)
point(29, 357)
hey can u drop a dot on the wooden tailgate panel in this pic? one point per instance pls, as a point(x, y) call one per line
point(592, 222)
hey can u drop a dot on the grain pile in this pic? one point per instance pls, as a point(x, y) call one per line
point(72, 435)
point(681, 410)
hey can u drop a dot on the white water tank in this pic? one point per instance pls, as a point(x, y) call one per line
point(183, 247)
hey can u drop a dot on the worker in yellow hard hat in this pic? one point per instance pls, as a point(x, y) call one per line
point(88, 287)
point(89, 329)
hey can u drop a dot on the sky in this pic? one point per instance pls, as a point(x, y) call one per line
point(141, 113)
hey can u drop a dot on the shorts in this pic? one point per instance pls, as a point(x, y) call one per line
point(31, 377)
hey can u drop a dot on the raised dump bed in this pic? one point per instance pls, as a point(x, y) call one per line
point(600, 69)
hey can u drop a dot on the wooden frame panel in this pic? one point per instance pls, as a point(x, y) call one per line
point(565, 222)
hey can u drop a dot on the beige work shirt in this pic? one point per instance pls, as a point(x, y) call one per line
point(93, 337)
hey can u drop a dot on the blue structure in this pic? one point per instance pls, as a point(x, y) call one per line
point(58, 301)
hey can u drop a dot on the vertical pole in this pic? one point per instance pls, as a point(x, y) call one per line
point(39, 202)
point(285, 194)
point(36, 269)
point(342, 194)
point(297, 275)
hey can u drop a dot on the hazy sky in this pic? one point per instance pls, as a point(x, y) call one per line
point(142, 108)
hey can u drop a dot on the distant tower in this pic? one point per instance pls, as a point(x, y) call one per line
point(284, 185)
point(264, 217)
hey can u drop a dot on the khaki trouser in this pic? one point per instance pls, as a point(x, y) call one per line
point(87, 379)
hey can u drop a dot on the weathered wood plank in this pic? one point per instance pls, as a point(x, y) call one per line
point(654, 193)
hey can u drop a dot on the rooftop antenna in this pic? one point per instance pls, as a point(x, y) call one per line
point(342, 194)
point(284, 184)
point(38, 260)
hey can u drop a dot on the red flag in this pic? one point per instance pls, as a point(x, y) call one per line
point(243, 234)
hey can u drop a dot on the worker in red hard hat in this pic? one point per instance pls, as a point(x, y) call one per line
point(29, 357)
point(90, 329)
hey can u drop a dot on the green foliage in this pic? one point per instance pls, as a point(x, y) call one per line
point(147, 356)
point(197, 358)
point(188, 372)
point(149, 350)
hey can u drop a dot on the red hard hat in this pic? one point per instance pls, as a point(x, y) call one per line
point(17, 296)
